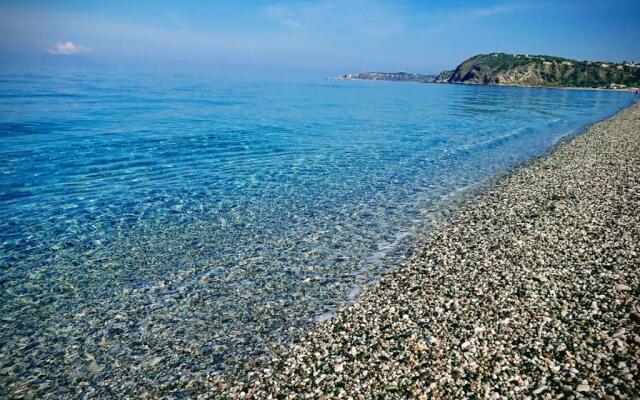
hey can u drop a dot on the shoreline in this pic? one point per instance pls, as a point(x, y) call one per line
point(626, 90)
point(481, 308)
point(167, 301)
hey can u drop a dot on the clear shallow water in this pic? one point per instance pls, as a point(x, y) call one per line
point(165, 228)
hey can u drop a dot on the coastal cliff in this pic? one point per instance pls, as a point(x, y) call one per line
point(525, 70)
point(528, 70)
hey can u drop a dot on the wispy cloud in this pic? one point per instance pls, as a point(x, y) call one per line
point(283, 15)
point(67, 48)
point(453, 20)
point(334, 18)
point(496, 10)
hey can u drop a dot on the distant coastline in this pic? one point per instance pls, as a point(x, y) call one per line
point(599, 89)
point(523, 70)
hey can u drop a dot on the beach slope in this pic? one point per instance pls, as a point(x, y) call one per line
point(530, 290)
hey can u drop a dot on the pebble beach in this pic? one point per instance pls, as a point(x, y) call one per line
point(530, 290)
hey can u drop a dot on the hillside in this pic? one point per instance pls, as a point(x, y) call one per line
point(528, 70)
point(524, 70)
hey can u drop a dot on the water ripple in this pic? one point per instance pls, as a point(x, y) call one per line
point(227, 217)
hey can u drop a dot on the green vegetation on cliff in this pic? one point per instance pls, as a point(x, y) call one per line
point(534, 70)
point(525, 70)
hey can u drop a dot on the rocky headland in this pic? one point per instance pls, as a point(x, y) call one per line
point(525, 70)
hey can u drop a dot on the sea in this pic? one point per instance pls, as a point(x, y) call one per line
point(165, 228)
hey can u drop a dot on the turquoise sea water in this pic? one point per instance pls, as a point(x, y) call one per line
point(163, 228)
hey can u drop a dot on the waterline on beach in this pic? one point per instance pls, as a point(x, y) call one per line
point(202, 223)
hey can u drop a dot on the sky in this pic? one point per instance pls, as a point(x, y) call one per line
point(324, 37)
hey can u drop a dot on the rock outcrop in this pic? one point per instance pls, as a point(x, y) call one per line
point(524, 70)
point(527, 70)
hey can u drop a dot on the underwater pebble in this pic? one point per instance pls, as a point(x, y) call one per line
point(519, 294)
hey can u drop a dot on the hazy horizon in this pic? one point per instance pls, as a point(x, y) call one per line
point(308, 38)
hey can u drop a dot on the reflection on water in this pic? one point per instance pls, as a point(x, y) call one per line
point(158, 229)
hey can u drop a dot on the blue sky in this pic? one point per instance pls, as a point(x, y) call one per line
point(311, 37)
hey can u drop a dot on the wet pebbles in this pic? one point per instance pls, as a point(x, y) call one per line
point(530, 291)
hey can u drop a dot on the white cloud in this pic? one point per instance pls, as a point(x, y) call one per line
point(67, 48)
